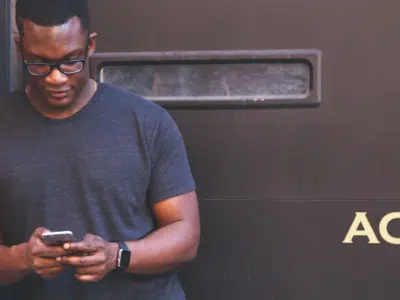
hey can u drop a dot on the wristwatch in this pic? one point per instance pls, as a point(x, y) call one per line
point(124, 256)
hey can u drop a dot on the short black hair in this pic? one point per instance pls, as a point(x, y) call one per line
point(51, 12)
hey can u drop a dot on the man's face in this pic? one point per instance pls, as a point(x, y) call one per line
point(66, 42)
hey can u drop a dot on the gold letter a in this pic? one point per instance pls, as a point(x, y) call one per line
point(361, 219)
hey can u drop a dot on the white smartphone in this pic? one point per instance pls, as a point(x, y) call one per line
point(57, 238)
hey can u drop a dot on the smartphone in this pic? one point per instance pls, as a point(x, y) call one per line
point(57, 238)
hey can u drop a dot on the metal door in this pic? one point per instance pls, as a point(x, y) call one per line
point(279, 188)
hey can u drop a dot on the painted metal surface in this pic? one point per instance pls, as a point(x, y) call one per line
point(280, 188)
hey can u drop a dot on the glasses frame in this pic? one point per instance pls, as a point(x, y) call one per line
point(57, 65)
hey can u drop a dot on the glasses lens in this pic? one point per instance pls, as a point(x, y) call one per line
point(72, 67)
point(39, 69)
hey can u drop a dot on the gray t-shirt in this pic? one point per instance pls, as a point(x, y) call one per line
point(97, 172)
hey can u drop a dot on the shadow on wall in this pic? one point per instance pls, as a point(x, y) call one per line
point(16, 74)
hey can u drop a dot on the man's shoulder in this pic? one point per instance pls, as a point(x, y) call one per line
point(129, 102)
point(126, 97)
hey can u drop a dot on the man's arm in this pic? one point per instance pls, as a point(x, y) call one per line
point(12, 267)
point(172, 196)
point(175, 242)
point(19, 261)
point(175, 209)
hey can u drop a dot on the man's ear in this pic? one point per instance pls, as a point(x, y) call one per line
point(92, 43)
point(17, 41)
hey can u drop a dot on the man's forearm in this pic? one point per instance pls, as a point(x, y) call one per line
point(12, 264)
point(163, 250)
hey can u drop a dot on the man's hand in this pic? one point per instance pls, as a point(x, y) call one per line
point(93, 258)
point(41, 258)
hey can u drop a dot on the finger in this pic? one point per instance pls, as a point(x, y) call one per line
point(89, 237)
point(82, 261)
point(50, 273)
point(89, 244)
point(89, 278)
point(39, 231)
point(91, 270)
point(83, 246)
point(48, 251)
point(45, 263)
point(50, 270)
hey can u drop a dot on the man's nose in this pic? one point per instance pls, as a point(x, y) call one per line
point(56, 77)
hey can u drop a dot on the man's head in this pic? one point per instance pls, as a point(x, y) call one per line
point(51, 32)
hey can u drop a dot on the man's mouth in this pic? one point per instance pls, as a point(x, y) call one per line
point(58, 95)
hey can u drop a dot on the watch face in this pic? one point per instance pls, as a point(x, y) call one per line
point(124, 258)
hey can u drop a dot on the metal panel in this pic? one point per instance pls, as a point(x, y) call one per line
point(335, 152)
point(263, 249)
point(279, 188)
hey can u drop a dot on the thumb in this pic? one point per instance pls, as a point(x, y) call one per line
point(39, 231)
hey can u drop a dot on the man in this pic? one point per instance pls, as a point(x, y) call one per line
point(93, 159)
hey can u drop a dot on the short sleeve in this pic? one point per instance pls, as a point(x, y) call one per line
point(171, 175)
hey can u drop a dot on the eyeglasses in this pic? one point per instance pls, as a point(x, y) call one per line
point(67, 67)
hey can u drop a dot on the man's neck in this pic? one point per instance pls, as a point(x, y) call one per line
point(80, 102)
